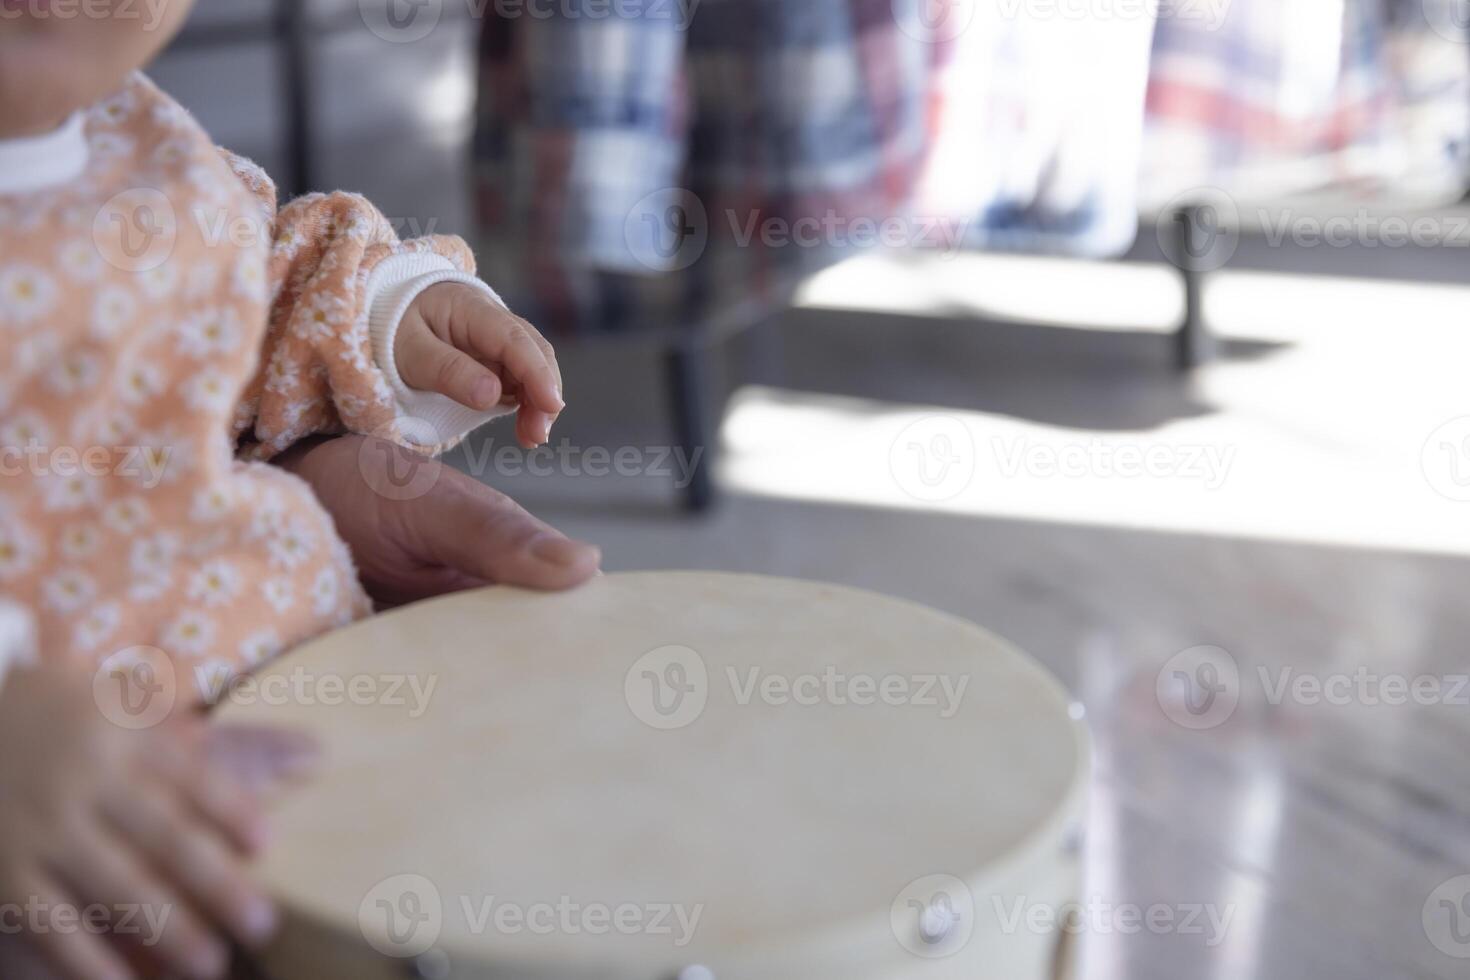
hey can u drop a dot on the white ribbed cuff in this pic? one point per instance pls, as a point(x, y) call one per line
point(17, 637)
point(391, 290)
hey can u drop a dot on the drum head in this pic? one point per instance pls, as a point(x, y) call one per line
point(554, 784)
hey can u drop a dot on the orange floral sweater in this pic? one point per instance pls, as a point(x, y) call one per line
point(164, 330)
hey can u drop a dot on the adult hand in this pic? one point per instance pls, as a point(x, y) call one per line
point(419, 528)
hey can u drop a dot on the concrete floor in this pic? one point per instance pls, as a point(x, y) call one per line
point(1329, 833)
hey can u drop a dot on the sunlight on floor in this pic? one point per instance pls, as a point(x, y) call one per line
point(1002, 287)
point(1354, 433)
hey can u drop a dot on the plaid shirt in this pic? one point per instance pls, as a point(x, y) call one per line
point(613, 149)
point(753, 144)
point(1269, 98)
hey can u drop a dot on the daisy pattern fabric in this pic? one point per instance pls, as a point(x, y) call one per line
point(166, 330)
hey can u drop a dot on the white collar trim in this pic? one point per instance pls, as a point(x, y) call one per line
point(38, 162)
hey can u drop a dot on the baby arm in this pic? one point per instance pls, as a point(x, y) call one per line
point(371, 334)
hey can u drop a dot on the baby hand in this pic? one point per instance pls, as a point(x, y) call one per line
point(458, 341)
point(98, 816)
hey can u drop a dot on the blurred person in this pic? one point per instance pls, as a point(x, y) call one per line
point(193, 383)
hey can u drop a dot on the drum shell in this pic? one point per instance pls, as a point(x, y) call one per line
point(1038, 866)
point(1050, 878)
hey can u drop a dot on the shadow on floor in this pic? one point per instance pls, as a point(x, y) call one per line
point(1088, 379)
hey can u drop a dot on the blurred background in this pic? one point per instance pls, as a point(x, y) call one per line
point(1124, 329)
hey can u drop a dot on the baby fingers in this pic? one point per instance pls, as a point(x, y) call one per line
point(105, 873)
point(198, 864)
point(429, 364)
point(495, 335)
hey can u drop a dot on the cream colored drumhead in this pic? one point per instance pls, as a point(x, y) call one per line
point(772, 778)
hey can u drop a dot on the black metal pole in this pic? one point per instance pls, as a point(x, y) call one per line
point(1193, 345)
point(294, 43)
point(686, 368)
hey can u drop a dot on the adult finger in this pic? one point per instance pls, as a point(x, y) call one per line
point(482, 533)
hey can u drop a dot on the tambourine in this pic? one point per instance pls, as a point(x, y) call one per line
point(673, 776)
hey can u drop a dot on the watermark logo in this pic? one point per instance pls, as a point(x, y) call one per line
point(933, 459)
point(934, 916)
point(934, 21)
point(402, 916)
point(401, 21)
point(668, 230)
point(667, 688)
point(136, 230)
point(410, 694)
point(1203, 686)
point(136, 688)
point(399, 472)
point(393, 471)
point(1199, 688)
point(1447, 918)
point(1200, 229)
point(1445, 459)
point(1450, 19)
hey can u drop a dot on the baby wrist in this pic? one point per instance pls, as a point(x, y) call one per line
point(392, 288)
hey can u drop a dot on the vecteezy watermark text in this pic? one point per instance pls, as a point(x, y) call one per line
point(403, 916)
point(397, 473)
point(137, 229)
point(1207, 464)
point(1101, 917)
point(1201, 687)
point(834, 687)
point(1365, 687)
point(408, 21)
point(565, 458)
point(140, 923)
point(670, 230)
point(838, 231)
point(149, 11)
point(935, 917)
point(669, 688)
point(409, 692)
point(144, 465)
